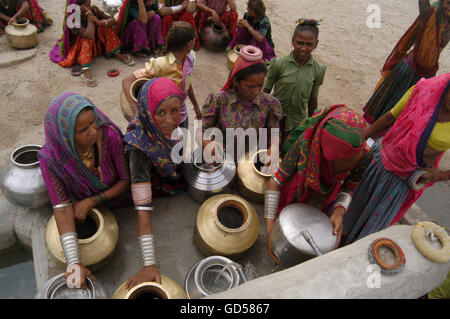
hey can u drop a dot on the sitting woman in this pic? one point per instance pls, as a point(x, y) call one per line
point(255, 29)
point(139, 27)
point(153, 173)
point(418, 136)
point(11, 10)
point(224, 11)
point(83, 165)
point(324, 162)
point(96, 37)
point(178, 10)
point(241, 103)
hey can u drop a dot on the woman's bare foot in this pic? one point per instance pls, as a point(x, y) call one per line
point(128, 60)
point(87, 76)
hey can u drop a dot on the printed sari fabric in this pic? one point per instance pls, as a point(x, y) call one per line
point(183, 16)
point(34, 14)
point(399, 73)
point(73, 49)
point(67, 178)
point(135, 35)
point(144, 136)
point(385, 195)
point(305, 171)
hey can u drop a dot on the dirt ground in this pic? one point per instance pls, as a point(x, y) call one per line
point(352, 51)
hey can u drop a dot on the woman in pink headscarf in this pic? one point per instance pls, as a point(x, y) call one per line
point(408, 157)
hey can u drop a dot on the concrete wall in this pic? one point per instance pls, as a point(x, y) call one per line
point(345, 273)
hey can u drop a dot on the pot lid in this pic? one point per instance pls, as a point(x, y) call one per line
point(296, 218)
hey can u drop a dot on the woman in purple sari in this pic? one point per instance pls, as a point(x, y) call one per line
point(139, 27)
point(83, 166)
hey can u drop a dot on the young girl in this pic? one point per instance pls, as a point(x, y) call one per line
point(96, 37)
point(177, 64)
point(255, 29)
point(297, 77)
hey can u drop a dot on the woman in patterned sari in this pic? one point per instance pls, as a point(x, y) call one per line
point(429, 34)
point(325, 158)
point(82, 163)
point(418, 136)
point(11, 10)
point(153, 173)
point(95, 37)
point(139, 27)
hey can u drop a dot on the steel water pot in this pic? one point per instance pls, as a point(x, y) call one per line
point(21, 180)
point(301, 232)
point(206, 180)
point(56, 288)
point(213, 275)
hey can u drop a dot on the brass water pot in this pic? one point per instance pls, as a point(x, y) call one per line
point(227, 225)
point(125, 107)
point(251, 181)
point(233, 55)
point(97, 248)
point(169, 289)
point(22, 35)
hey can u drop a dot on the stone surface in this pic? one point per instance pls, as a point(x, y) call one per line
point(12, 56)
point(7, 218)
point(347, 273)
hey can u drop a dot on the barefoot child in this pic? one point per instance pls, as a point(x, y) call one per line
point(177, 64)
point(297, 77)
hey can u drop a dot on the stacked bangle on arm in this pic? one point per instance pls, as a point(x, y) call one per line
point(69, 244)
point(142, 196)
point(343, 199)
point(99, 198)
point(64, 205)
point(147, 245)
point(271, 200)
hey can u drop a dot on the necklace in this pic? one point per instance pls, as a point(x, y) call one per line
point(87, 157)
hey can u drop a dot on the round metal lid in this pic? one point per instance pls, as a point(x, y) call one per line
point(296, 218)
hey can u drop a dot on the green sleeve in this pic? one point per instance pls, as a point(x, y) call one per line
point(272, 75)
point(318, 82)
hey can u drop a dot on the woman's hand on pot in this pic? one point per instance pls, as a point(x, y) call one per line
point(215, 16)
point(12, 20)
point(337, 219)
point(146, 274)
point(82, 208)
point(243, 24)
point(76, 275)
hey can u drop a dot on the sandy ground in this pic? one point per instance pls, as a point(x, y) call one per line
point(353, 53)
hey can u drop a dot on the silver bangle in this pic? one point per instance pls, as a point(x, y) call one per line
point(143, 208)
point(147, 245)
point(177, 9)
point(64, 205)
point(69, 244)
point(271, 200)
point(343, 200)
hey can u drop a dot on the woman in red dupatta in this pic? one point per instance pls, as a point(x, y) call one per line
point(429, 34)
point(325, 158)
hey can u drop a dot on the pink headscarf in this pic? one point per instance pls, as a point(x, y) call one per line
point(248, 56)
point(401, 144)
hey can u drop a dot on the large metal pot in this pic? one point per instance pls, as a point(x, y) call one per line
point(251, 181)
point(97, 239)
point(215, 37)
point(21, 180)
point(125, 107)
point(233, 55)
point(213, 275)
point(226, 225)
point(56, 288)
point(206, 180)
point(168, 289)
point(22, 35)
point(301, 232)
